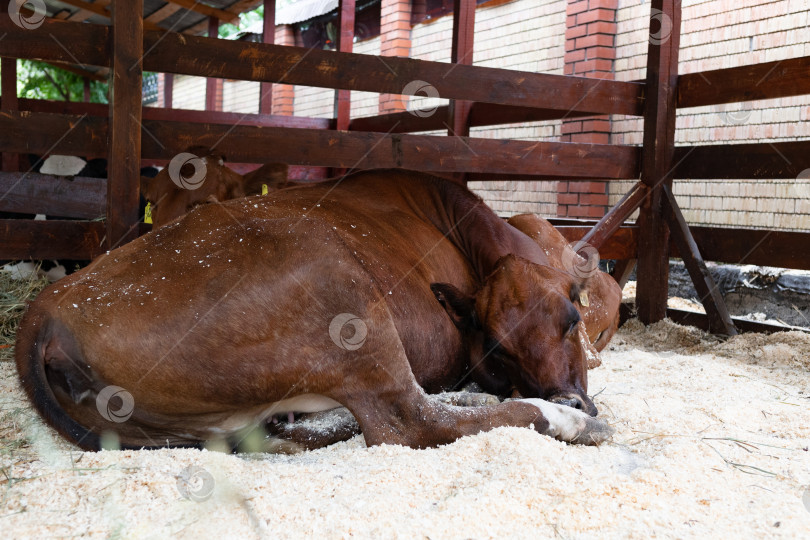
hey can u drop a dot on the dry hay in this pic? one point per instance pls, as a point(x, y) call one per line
point(712, 439)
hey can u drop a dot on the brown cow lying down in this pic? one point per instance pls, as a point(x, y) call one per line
point(215, 182)
point(365, 293)
point(601, 315)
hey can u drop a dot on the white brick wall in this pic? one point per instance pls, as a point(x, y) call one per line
point(188, 92)
point(241, 96)
point(320, 102)
point(529, 35)
point(719, 34)
point(526, 35)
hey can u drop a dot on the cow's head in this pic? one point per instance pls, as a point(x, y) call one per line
point(213, 182)
point(525, 322)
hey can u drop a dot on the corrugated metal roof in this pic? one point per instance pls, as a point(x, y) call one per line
point(178, 19)
point(302, 10)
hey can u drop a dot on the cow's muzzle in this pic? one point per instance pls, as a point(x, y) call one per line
point(583, 404)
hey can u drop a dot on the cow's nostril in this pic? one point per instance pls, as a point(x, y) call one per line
point(568, 402)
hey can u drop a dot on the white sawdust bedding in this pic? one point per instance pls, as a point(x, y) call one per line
point(711, 439)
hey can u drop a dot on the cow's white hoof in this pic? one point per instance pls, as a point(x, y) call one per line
point(572, 425)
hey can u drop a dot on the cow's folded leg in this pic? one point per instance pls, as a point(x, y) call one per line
point(313, 430)
point(410, 417)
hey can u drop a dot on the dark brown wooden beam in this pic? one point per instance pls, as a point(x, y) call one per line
point(622, 245)
point(9, 104)
point(732, 161)
point(74, 135)
point(311, 67)
point(659, 147)
point(177, 115)
point(458, 118)
point(708, 293)
point(24, 239)
point(345, 40)
point(88, 42)
point(614, 219)
point(204, 9)
point(98, 9)
point(268, 36)
point(623, 270)
point(700, 320)
point(769, 80)
point(481, 114)
point(124, 147)
point(205, 57)
point(168, 90)
point(782, 249)
point(32, 193)
point(211, 83)
point(99, 75)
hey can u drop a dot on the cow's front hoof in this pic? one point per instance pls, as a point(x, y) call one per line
point(594, 433)
point(571, 425)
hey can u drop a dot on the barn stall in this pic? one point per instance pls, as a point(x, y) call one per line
point(712, 434)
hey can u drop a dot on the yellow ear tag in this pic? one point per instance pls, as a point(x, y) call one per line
point(147, 214)
point(264, 189)
point(583, 298)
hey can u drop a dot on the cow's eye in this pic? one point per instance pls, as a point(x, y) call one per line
point(570, 326)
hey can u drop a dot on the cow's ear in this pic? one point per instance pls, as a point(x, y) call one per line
point(272, 175)
point(579, 292)
point(458, 305)
point(146, 189)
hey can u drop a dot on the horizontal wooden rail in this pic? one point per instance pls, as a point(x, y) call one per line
point(57, 41)
point(32, 193)
point(622, 245)
point(169, 52)
point(22, 239)
point(743, 161)
point(25, 132)
point(700, 320)
point(769, 80)
point(179, 115)
point(481, 114)
point(781, 249)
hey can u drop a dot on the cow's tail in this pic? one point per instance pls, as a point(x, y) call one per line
point(68, 395)
point(33, 336)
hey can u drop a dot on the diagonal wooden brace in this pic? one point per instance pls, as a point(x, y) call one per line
point(719, 318)
point(617, 215)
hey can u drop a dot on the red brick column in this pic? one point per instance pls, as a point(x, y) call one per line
point(284, 94)
point(395, 40)
point(589, 52)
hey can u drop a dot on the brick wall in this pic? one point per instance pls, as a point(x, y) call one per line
point(589, 52)
point(721, 34)
point(189, 92)
point(283, 94)
point(524, 35)
point(320, 102)
point(395, 40)
point(530, 35)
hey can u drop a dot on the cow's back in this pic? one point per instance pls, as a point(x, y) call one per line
point(267, 276)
